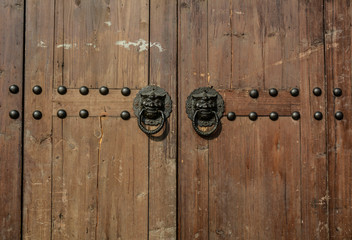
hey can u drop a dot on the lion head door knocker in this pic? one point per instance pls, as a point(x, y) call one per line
point(205, 107)
point(152, 106)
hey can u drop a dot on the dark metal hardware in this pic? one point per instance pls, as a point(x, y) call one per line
point(125, 115)
point(37, 89)
point(296, 115)
point(317, 91)
point(318, 116)
point(126, 91)
point(84, 90)
point(152, 106)
point(37, 115)
point(14, 89)
point(337, 92)
point(14, 114)
point(273, 92)
point(253, 116)
point(231, 116)
point(339, 115)
point(61, 114)
point(294, 92)
point(83, 113)
point(274, 116)
point(104, 90)
point(254, 93)
point(205, 107)
point(62, 90)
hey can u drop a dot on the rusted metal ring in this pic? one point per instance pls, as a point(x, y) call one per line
point(207, 133)
point(150, 132)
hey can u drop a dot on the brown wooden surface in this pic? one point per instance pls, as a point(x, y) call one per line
point(236, 46)
point(100, 177)
point(11, 72)
point(338, 68)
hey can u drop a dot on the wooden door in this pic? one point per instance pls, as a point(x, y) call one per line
point(98, 177)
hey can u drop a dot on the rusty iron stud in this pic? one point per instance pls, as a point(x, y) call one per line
point(253, 116)
point(83, 113)
point(274, 116)
point(61, 114)
point(254, 93)
point(339, 115)
point(231, 116)
point(337, 92)
point(14, 114)
point(317, 91)
point(14, 89)
point(294, 92)
point(125, 115)
point(318, 116)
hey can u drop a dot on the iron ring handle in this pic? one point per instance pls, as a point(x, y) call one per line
point(208, 133)
point(150, 132)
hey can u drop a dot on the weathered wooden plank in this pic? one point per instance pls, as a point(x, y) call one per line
point(11, 72)
point(122, 195)
point(192, 149)
point(255, 192)
point(163, 151)
point(38, 133)
point(103, 38)
point(338, 66)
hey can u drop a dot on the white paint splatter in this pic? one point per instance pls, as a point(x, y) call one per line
point(42, 44)
point(142, 45)
point(91, 45)
point(66, 46)
point(239, 12)
point(108, 23)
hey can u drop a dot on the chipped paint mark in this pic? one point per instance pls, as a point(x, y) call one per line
point(42, 44)
point(67, 46)
point(108, 23)
point(141, 44)
point(91, 45)
point(239, 12)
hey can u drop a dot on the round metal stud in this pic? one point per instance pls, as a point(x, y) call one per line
point(274, 116)
point(61, 114)
point(125, 115)
point(317, 91)
point(104, 90)
point(254, 93)
point(296, 115)
point(37, 89)
point(337, 92)
point(37, 115)
point(14, 114)
point(62, 90)
point(273, 92)
point(126, 91)
point(339, 115)
point(253, 116)
point(83, 113)
point(84, 90)
point(294, 92)
point(318, 116)
point(231, 116)
point(14, 89)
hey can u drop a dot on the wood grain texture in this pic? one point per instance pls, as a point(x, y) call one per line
point(255, 192)
point(163, 151)
point(11, 72)
point(338, 69)
point(192, 149)
point(38, 134)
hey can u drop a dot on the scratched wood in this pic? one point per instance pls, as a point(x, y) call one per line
point(11, 72)
point(192, 149)
point(242, 45)
point(163, 151)
point(38, 134)
point(338, 57)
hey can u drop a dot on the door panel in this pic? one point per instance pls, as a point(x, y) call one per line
point(98, 177)
point(338, 65)
point(11, 73)
point(236, 46)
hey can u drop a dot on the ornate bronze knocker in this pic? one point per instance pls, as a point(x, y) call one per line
point(152, 106)
point(205, 107)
